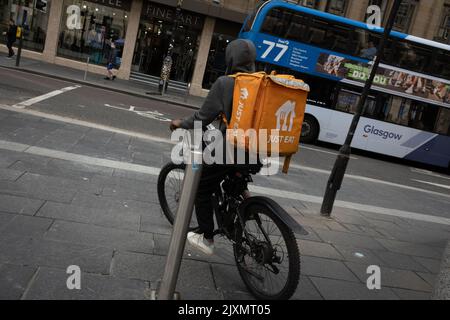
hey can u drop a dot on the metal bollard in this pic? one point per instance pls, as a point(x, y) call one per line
point(19, 49)
point(191, 181)
point(87, 67)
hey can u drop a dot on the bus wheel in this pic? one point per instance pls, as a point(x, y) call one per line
point(310, 130)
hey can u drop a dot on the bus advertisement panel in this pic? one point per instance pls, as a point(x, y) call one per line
point(320, 62)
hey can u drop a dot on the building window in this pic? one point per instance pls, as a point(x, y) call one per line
point(314, 4)
point(338, 7)
point(405, 15)
point(88, 29)
point(31, 15)
point(224, 33)
point(443, 34)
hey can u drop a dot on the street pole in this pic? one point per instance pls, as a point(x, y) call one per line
point(19, 48)
point(340, 166)
point(167, 63)
point(192, 175)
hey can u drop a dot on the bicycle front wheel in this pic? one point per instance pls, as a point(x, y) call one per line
point(170, 186)
point(267, 255)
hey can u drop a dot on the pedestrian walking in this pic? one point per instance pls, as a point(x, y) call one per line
point(11, 37)
point(111, 62)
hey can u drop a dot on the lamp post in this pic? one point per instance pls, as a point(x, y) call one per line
point(167, 63)
point(340, 166)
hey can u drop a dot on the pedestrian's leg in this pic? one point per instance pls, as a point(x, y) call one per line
point(10, 49)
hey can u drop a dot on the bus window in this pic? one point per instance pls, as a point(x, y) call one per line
point(443, 122)
point(277, 22)
point(422, 116)
point(317, 33)
point(398, 110)
point(297, 29)
point(347, 101)
point(441, 64)
point(343, 38)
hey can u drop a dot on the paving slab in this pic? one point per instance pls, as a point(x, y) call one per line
point(326, 268)
point(41, 252)
point(26, 226)
point(5, 218)
point(412, 249)
point(100, 236)
point(430, 278)
point(193, 274)
point(400, 261)
point(395, 278)
point(432, 265)
point(359, 255)
point(92, 216)
point(109, 203)
point(318, 249)
point(15, 204)
point(332, 289)
point(348, 239)
point(14, 280)
point(50, 284)
point(10, 175)
point(404, 294)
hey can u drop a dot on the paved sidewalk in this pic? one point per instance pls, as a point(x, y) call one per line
point(124, 86)
point(99, 210)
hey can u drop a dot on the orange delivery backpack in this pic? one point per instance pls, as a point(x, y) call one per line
point(272, 102)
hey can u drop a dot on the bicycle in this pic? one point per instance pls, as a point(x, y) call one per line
point(258, 253)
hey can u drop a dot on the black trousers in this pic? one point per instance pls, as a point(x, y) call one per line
point(9, 44)
point(212, 176)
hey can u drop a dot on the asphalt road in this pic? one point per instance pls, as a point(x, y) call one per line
point(371, 181)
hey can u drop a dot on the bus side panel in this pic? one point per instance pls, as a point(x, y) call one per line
point(336, 128)
point(435, 152)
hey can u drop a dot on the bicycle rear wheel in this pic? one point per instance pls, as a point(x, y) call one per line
point(267, 255)
point(170, 186)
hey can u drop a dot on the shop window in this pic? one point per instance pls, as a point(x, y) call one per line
point(88, 29)
point(32, 16)
point(224, 33)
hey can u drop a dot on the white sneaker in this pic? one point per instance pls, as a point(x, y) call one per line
point(198, 241)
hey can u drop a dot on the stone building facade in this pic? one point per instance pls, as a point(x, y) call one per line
point(77, 33)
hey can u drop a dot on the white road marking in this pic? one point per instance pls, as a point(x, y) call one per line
point(155, 115)
point(302, 146)
point(429, 173)
point(168, 141)
point(366, 179)
point(256, 189)
point(88, 124)
point(349, 205)
point(433, 184)
point(30, 102)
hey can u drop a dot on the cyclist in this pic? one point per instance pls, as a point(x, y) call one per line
point(240, 56)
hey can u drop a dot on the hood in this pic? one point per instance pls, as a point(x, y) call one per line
point(240, 56)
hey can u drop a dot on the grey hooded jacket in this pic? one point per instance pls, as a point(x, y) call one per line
point(240, 56)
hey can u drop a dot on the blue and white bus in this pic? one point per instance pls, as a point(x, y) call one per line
point(408, 112)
